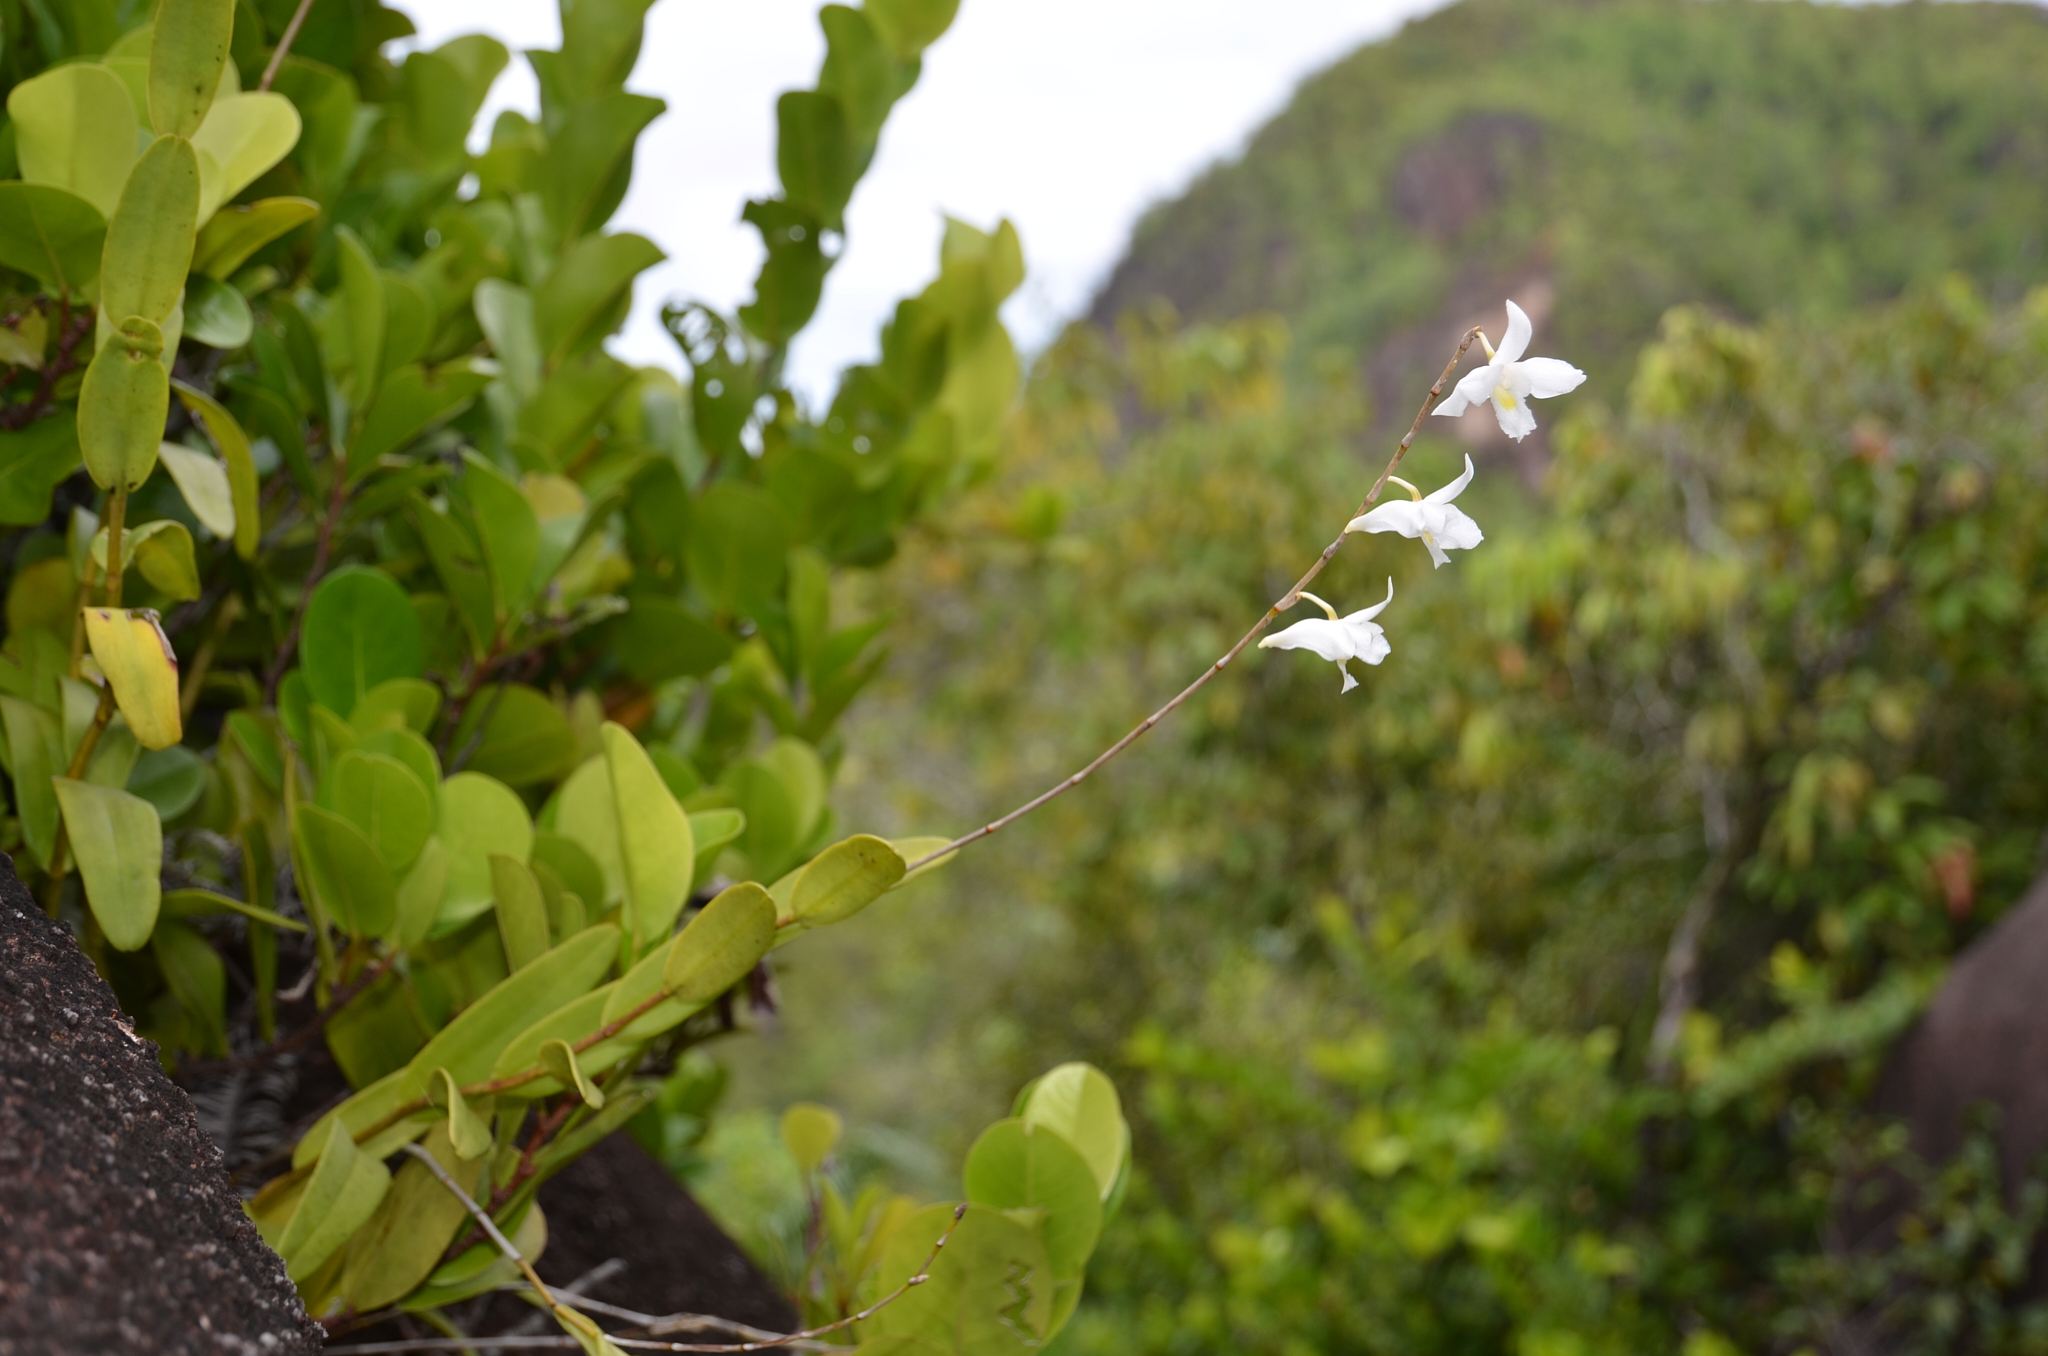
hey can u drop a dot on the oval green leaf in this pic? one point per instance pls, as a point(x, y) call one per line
point(844, 879)
point(119, 844)
point(359, 631)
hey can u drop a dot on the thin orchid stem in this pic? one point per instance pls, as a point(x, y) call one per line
point(284, 44)
point(1286, 600)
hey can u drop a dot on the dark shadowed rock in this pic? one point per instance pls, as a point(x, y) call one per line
point(1983, 1039)
point(121, 1231)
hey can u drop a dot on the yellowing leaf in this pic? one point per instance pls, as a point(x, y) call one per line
point(119, 844)
point(132, 651)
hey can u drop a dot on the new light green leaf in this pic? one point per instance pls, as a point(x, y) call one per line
point(989, 1293)
point(656, 849)
point(1013, 1166)
point(242, 137)
point(402, 704)
point(150, 234)
point(186, 56)
point(1078, 1102)
point(809, 1131)
point(558, 1059)
point(844, 879)
point(119, 844)
point(52, 234)
point(586, 815)
point(510, 530)
point(75, 128)
point(339, 1198)
point(217, 315)
point(35, 743)
point(420, 893)
point(203, 482)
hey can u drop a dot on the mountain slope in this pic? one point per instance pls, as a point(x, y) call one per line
point(1603, 161)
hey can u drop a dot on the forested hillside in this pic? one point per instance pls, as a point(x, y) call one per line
point(1604, 161)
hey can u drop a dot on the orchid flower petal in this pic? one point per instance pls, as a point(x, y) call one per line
point(1458, 532)
point(1515, 342)
point(1455, 403)
point(1550, 376)
point(1366, 614)
point(1517, 420)
point(1319, 636)
point(1399, 515)
point(1454, 489)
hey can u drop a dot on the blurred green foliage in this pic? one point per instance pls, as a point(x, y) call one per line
point(1770, 648)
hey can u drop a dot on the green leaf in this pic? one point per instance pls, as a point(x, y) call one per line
point(518, 736)
point(522, 913)
point(712, 830)
point(504, 311)
point(721, 945)
point(737, 548)
point(479, 816)
point(579, 1017)
point(242, 137)
point(412, 402)
point(459, 563)
point(860, 71)
point(510, 531)
point(781, 791)
point(401, 704)
point(656, 850)
point(587, 294)
point(468, 1046)
point(377, 1031)
point(466, 1131)
point(204, 903)
point(809, 1131)
point(75, 129)
point(186, 57)
point(413, 1226)
point(339, 1198)
point(33, 462)
point(1011, 1167)
point(589, 159)
point(203, 482)
point(198, 980)
point(119, 844)
point(910, 26)
point(814, 154)
point(420, 894)
point(217, 315)
point(233, 234)
point(556, 422)
point(844, 879)
point(386, 800)
point(792, 278)
point(350, 881)
point(52, 234)
point(35, 743)
point(172, 779)
point(586, 815)
point(362, 301)
point(150, 235)
point(1078, 1102)
point(600, 41)
point(989, 1292)
point(570, 860)
point(659, 639)
point(360, 630)
point(558, 1059)
point(122, 406)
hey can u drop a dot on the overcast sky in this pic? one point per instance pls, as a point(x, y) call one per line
point(1069, 117)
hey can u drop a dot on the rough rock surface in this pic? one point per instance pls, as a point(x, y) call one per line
point(121, 1231)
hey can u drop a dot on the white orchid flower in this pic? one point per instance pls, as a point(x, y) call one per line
point(1340, 639)
point(1440, 524)
point(1509, 381)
